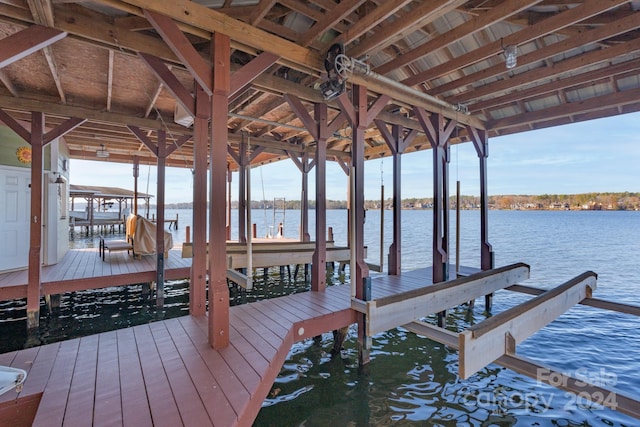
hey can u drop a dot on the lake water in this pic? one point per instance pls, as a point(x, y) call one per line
point(411, 380)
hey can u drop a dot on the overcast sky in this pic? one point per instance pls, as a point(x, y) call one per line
point(595, 156)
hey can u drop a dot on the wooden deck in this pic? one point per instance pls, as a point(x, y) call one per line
point(165, 373)
point(83, 269)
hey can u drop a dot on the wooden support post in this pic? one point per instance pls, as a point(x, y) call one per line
point(35, 230)
point(458, 228)
point(318, 264)
point(397, 143)
point(38, 140)
point(395, 251)
point(242, 191)
point(320, 129)
point(249, 281)
point(53, 302)
point(304, 200)
point(229, 174)
point(339, 335)
point(160, 249)
point(438, 130)
point(360, 116)
point(357, 154)
point(136, 174)
point(198, 279)
point(161, 151)
point(218, 290)
point(481, 144)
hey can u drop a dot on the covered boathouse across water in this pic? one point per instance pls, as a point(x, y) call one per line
point(220, 87)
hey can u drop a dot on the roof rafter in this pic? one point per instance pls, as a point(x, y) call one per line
point(531, 77)
point(507, 8)
point(552, 24)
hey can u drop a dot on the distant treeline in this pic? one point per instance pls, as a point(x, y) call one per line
point(586, 201)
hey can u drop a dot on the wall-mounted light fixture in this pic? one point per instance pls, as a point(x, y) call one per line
point(59, 179)
point(510, 56)
point(102, 152)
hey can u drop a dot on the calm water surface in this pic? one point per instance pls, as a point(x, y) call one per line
point(412, 380)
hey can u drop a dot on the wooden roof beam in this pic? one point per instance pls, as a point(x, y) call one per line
point(550, 25)
point(43, 15)
point(585, 38)
point(615, 99)
point(202, 18)
point(110, 80)
point(243, 78)
point(6, 81)
point(183, 49)
point(507, 8)
point(572, 64)
point(25, 42)
point(583, 78)
point(154, 98)
point(11, 103)
point(260, 11)
point(391, 32)
point(170, 81)
point(370, 20)
point(329, 19)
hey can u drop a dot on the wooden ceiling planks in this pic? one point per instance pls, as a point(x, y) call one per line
point(451, 49)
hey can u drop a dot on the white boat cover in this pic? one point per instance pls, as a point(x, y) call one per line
point(11, 378)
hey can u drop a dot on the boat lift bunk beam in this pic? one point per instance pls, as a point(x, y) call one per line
point(494, 340)
point(390, 312)
point(484, 342)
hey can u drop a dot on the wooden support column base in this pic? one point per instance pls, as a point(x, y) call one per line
point(219, 311)
point(160, 281)
point(33, 319)
point(488, 302)
point(53, 302)
point(339, 336)
point(364, 351)
point(364, 342)
point(442, 319)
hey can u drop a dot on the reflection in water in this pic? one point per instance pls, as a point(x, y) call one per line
point(412, 381)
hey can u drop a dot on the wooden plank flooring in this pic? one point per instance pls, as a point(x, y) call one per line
point(166, 374)
point(82, 269)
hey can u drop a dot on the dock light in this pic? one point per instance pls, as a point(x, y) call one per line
point(59, 179)
point(102, 152)
point(511, 56)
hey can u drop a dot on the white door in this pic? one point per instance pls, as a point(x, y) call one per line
point(14, 217)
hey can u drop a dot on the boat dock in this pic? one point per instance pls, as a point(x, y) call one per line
point(166, 373)
point(82, 269)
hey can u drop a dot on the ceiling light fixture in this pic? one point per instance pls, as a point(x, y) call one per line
point(102, 152)
point(510, 56)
